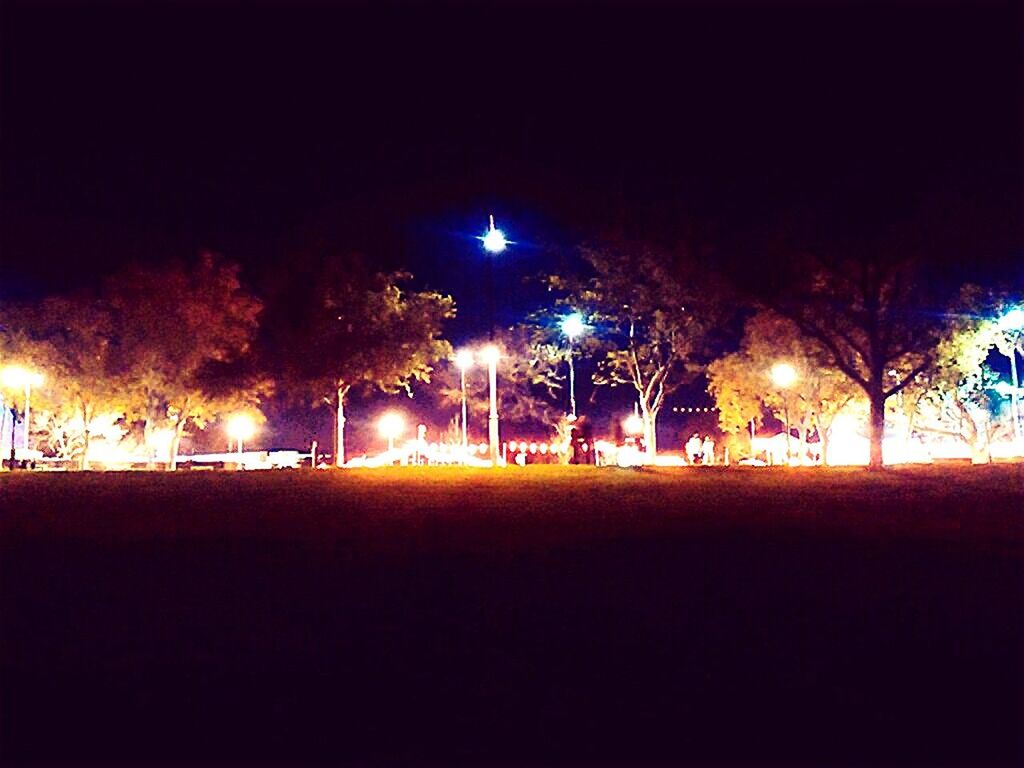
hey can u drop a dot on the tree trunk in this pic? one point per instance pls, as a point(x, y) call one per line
point(823, 442)
point(650, 417)
point(147, 440)
point(339, 438)
point(172, 458)
point(876, 431)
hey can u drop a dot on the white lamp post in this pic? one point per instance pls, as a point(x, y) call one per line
point(490, 356)
point(464, 359)
point(16, 377)
point(784, 376)
point(572, 327)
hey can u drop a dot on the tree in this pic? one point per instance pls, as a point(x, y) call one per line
point(653, 313)
point(742, 387)
point(960, 386)
point(356, 328)
point(873, 320)
point(72, 340)
point(181, 330)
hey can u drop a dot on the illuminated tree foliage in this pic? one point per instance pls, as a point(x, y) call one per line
point(356, 328)
point(181, 329)
point(956, 396)
point(652, 312)
point(743, 389)
point(873, 320)
point(72, 340)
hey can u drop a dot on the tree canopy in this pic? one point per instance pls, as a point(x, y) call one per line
point(356, 328)
point(654, 313)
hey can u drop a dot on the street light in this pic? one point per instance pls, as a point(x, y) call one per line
point(16, 377)
point(494, 239)
point(241, 427)
point(490, 355)
point(573, 327)
point(391, 426)
point(633, 425)
point(784, 376)
point(1012, 320)
point(494, 243)
point(464, 360)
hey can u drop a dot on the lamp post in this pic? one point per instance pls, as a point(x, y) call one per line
point(464, 359)
point(493, 239)
point(490, 355)
point(784, 376)
point(16, 377)
point(494, 242)
point(241, 427)
point(572, 327)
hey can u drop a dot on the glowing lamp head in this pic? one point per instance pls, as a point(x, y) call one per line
point(15, 376)
point(633, 425)
point(464, 359)
point(490, 354)
point(391, 425)
point(573, 326)
point(1013, 320)
point(494, 239)
point(783, 375)
point(241, 426)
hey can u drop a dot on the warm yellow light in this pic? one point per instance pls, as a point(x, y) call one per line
point(464, 359)
point(241, 426)
point(784, 375)
point(391, 425)
point(490, 354)
point(633, 425)
point(18, 377)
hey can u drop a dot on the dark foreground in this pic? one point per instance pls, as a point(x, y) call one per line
point(542, 616)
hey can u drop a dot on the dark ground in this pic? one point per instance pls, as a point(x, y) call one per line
point(570, 616)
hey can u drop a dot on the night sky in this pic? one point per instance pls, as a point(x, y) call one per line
point(154, 131)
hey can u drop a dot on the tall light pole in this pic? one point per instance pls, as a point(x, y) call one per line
point(490, 355)
point(572, 327)
point(16, 377)
point(494, 242)
point(464, 360)
point(784, 376)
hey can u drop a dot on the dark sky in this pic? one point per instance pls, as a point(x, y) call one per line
point(151, 131)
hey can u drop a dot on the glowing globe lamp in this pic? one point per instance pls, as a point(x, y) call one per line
point(783, 375)
point(573, 326)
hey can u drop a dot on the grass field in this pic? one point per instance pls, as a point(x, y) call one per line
point(546, 615)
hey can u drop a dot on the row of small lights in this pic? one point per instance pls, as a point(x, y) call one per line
point(482, 448)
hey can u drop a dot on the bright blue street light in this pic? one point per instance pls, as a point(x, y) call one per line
point(573, 326)
point(1012, 320)
point(494, 239)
